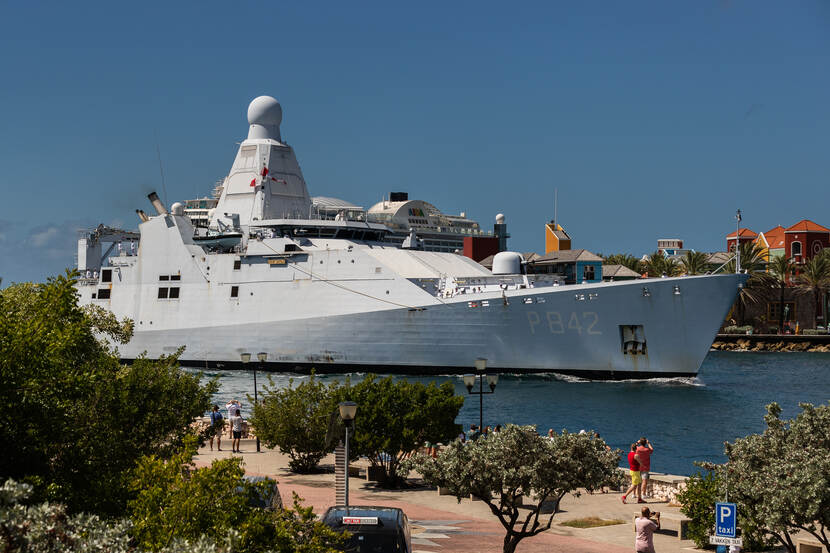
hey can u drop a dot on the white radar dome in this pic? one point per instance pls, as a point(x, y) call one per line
point(500, 218)
point(507, 263)
point(265, 117)
point(177, 208)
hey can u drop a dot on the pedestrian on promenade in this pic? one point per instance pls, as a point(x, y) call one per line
point(644, 451)
point(236, 429)
point(550, 433)
point(232, 406)
point(474, 433)
point(634, 471)
point(645, 525)
point(497, 429)
point(217, 426)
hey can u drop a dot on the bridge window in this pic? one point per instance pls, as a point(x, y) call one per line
point(163, 291)
point(234, 291)
point(174, 293)
point(106, 275)
point(104, 293)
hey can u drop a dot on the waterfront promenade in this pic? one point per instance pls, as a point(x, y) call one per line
point(442, 524)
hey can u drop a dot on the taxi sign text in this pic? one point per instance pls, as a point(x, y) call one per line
point(360, 520)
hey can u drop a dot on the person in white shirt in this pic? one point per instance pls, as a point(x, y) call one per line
point(236, 428)
point(232, 407)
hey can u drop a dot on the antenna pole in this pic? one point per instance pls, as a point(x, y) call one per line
point(555, 205)
point(738, 242)
point(161, 168)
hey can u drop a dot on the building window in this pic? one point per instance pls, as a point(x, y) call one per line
point(588, 272)
point(174, 293)
point(106, 275)
point(234, 291)
point(175, 277)
point(162, 293)
point(237, 264)
point(104, 294)
point(164, 277)
point(796, 248)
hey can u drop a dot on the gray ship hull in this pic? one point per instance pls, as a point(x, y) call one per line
point(578, 330)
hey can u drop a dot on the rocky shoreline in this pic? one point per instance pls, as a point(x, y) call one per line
point(772, 343)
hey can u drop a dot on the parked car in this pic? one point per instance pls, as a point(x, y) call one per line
point(372, 529)
point(265, 496)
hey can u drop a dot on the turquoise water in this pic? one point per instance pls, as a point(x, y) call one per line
point(686, 420)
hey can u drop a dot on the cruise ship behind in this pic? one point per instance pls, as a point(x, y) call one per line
point(336, 296)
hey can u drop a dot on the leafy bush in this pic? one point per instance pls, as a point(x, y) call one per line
point(738, 329)
point(295, 419)
point(80, 419)
point(175, 500)
point(518, 461)
point(395, 417)
point(698, 503)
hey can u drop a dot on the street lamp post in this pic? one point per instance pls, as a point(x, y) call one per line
point(261, 356)
point(348, 409)
point(246, 358)
point(469, 381)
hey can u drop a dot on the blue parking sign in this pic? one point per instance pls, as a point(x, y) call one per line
point(726, 515)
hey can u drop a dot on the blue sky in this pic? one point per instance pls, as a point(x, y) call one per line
point(653, 119)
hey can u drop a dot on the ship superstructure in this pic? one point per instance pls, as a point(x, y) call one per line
point(334, 296)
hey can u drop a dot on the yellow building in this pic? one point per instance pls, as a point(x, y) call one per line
point(556, 239)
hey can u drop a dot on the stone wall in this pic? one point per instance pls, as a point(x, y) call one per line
point(662, 487)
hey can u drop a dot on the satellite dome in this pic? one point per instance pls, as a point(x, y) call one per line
point(264, 116)
point(500, 218)
point(507, 263)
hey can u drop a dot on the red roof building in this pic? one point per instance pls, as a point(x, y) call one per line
point(804, 240)
point(744, 235)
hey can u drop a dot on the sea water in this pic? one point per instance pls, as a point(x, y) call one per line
point(686, 420)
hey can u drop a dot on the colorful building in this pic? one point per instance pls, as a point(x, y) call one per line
point(771, 243)
point(804, 240)
point(745, 235)
point(556, 238)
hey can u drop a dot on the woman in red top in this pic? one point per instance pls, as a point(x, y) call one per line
point(634, 471)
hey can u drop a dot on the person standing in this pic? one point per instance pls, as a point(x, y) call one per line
point(474, 433)
point(217, 423)
point(232, 406)
point(644, 542)
point(644, 451)
point(236, 429)
point(634, 472)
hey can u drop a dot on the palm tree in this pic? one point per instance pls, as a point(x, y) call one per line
point(753, 264)
point(693, 263)
point(781, 268)
point(624, 259)
point(814, 278)
point(658, 265)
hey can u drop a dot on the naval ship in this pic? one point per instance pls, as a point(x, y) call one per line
point(335, 296)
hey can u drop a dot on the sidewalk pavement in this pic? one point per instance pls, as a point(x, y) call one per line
point(442, 524)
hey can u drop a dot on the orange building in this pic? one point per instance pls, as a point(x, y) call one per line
point(556, 239)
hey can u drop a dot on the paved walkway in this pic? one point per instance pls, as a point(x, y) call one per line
point(442, 524)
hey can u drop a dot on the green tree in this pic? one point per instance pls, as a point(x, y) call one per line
point(698, 500)
point(814, 278)
point(49, 528)
point(693, 263)
point(780, 269)
point(753, 264)
point(395, 417)
point(780, 479)
point(658, 265)
point(174, 500)
point(515, 462)
point(81, 419)
point(295, 420)
point(624, 259)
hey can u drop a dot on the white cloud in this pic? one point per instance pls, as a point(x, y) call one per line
point(45, 237)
